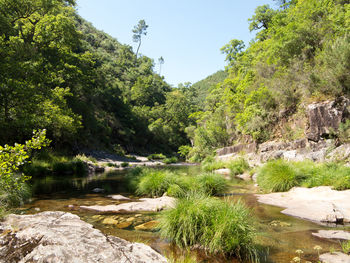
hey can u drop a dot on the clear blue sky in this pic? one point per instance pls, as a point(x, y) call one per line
point(187, 33)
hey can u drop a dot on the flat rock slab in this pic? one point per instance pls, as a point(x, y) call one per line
point(333, 234)
point(336, 257)
point(320, 204)
point(223, 171)
point(63, 237)
point(145, 205)
point(119, 197)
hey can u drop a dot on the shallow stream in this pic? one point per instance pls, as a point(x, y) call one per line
point(282, 234)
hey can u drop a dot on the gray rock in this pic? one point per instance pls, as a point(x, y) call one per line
point(325, 117)
point(336, 257)
point(146, 204)
point(333, 234)
point(119, 197)
point(320, 204)
point(223, 171)
point(63, 237)
point(238, 148)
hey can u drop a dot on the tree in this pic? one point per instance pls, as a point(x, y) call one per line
point(139, 30)
point(232, 50)
point(261, 20)
point(161, 62)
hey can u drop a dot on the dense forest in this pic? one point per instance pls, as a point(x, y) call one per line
point(301, 54)
point(88, 90)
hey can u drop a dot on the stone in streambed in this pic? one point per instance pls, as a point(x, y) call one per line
point(145, 204)
point(110, 221)
point(149, 226)
point(119, 197)
point(124, 225)
point(336, 257)
point(333, 234)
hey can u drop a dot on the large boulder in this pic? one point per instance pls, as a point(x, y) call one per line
point(336, 257)
point(319, 204)
point(325, 117)
point(238, 148)
point(63, 237)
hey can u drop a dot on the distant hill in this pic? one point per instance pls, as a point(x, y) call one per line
point(203, 86)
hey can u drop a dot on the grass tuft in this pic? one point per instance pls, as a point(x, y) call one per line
point(215, 225)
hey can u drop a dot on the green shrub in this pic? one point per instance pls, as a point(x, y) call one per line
point(170, 160)
point(217, 226)
point(124, 164)
point(156, 156)
point(210, 164)
point(278, 176)
point(211, 183)
point(84, 158)
point(238, 166)
point(154, 182)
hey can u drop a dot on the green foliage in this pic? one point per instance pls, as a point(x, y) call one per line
point(156, 156)
point(217, 226)
point(211, 184)
point(124, 164)
point(170, 160)
point(281, 175)
point(345, 246)
point(238, 166)
point(156, 182)
point(13, 189)
point(278, 176)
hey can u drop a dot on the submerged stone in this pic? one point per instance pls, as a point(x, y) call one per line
point(151, 225)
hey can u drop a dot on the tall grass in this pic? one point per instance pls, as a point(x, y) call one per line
point(215, 225)
point(280, 175)
point(156, 182)
point(237, 166)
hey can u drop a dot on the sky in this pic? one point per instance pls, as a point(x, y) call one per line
point(188, 34)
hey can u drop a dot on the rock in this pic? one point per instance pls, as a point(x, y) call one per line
point(124, 225)
point(63, 237)
point(98, 190)
point(336, 257)
point(255, 177)
point(110, 221)
point(332, 234)
point(325, 117)
point(238, 148)
point(146, 204)
point(223, 171)
point(119, 197)
point(320, 204)
point(273, 146)
point(37, 209)
point(244, 176)
point(280, 223)
point(130, 219)
point(151, 225)
point(341, 153)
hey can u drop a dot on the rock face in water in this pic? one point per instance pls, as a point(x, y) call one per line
point(320, 204)
point(146, 205)
point(333, 234)
point(336, 257)
point(63, 237)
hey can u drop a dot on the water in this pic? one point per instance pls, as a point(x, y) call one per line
point(282, 234)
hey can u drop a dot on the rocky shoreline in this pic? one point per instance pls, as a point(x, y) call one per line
point(64, 237)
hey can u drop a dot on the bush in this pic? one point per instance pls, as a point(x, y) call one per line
point(211, 183)
point(238, 166)
point(278, 176)
point(124, 164)
point(170, 160)
point(156, 156)
point(209, 164)
point(217, 226)
point(154, 182)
